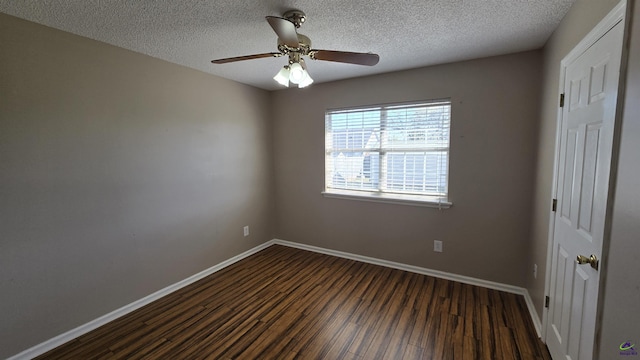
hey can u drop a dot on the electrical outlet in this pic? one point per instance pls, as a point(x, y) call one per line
point(437, 245)
point(535, 271)
point(246, 230)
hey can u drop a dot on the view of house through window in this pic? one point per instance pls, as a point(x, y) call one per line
point(389, 150)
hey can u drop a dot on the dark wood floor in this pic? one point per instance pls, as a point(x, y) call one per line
point(285, 303)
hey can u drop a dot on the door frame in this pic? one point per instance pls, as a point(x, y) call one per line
point(616, 15)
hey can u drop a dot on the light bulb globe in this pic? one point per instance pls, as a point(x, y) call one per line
point(296, 73)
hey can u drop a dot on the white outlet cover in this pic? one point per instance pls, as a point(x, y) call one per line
point(437, 245)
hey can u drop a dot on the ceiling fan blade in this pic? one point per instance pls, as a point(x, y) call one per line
point(368, 59)
point(285, 29)
point(246, 57)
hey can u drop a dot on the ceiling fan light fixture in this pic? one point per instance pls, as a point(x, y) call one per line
point(294, 45)
point(282, 77)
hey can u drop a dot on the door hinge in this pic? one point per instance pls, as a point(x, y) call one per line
point(554, 205)
point(546, 302)
point(562, 100)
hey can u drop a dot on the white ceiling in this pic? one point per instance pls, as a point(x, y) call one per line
point(406, 34)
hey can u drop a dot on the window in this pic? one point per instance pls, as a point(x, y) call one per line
point(389, 153)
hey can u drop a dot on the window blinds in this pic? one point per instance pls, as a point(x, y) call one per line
point(393, 149)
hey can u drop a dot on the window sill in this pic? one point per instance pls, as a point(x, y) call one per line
point(413, 200)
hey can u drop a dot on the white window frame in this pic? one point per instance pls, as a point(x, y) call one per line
point(379, 194)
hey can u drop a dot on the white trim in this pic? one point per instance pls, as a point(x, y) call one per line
point(616, 15)
point(607, 23)
point(533, 313)
point(414, 200)
point(554, 194)
point(94, 324)
point(424, 271)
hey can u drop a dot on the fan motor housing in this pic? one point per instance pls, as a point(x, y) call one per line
point(303, 48)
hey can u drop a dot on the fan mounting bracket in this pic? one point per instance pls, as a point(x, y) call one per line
point(297, 17)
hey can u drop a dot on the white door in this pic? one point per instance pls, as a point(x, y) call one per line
point(586, 137)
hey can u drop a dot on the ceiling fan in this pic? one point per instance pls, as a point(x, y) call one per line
point(295, 46)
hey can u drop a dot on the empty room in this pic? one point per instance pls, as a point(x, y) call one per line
point(320, 180)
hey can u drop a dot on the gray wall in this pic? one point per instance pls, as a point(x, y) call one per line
point(120, 174)
point(621, 296)
point(494, 112)
point(581, 18)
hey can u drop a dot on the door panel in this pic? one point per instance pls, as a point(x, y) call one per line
point(569, 161)
point(580, 293)
point(597, 88)
point(560, 316)
point(589, 179)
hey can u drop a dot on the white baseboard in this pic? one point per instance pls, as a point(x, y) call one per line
point(537, 324)
point(94, 324)
point(425, 271)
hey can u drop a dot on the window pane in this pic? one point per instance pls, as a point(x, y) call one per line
point(353, 130)
point(417, 172)
point(353, 170)
point(418, 127)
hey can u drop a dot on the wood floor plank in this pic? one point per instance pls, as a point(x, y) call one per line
point(469, 348)
point(425, 298)
point(285, 303)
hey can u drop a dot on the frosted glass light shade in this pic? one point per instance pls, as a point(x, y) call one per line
point(282, 77)
point(306, 80)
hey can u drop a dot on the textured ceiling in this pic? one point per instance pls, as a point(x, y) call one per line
point(406, 34)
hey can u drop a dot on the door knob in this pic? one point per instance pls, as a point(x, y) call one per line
point(591, 260)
